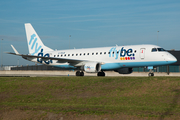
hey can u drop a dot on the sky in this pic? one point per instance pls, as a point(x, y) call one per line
point(91, 23)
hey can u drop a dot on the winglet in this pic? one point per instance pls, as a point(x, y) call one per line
point(14, 49)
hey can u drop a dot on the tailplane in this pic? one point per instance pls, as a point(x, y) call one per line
point(35, 45)
point(16, 52)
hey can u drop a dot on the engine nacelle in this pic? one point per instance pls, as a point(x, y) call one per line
point(92, 67)
point(124, 70)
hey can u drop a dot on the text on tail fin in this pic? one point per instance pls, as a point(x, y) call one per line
point(37, 48)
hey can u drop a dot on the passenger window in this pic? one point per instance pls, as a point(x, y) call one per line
point(100, 53)
point(54, 55)
point(80, 54)
point(154, 50)
point(92, 53)
point(65, 55)
point(108, 52)
point(61, 55)
point(68, 54)
point(58, 55)
point(84, 53)
point(96, 53)
point(87, 53)
point(104, 52)
point(76, 54)
point(72, 54)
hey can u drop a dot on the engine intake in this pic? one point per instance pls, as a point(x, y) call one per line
point(92, 67)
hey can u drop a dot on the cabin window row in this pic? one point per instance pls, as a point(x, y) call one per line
point(80, 54)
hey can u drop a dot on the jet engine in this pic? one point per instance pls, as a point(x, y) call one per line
point(92, 67)
point(124, 70)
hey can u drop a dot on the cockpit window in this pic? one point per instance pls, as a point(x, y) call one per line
point(161, 49)
point(154, 50)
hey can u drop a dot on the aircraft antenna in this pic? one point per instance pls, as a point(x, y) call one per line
point(157, 37)
point(69, 41)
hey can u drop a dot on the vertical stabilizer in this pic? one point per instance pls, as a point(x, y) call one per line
point(35, 45)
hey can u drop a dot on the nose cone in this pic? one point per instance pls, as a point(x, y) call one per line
point(171, 59)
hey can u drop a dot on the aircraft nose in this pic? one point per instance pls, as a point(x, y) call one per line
point(172, 59)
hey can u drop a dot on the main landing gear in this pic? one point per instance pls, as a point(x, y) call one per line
point(78, 73)
point(101, 73)
point(81, 73)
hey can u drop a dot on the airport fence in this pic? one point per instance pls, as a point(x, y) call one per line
point(167, 68)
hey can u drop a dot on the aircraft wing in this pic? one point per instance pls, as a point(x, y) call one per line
point(49, 58)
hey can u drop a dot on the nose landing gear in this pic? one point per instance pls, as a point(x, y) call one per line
point(151, 73)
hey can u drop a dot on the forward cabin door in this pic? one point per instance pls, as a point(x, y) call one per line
point(142, 53)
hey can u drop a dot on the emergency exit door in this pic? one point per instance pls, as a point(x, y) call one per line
point(142, 53)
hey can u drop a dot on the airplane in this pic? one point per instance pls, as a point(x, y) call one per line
point(120, 59)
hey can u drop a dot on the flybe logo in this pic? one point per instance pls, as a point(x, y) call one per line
point(34, 44)
point(88, 67)
point(124, 54)
point(46, 55)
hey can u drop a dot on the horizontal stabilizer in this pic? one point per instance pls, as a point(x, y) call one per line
point(14, 49)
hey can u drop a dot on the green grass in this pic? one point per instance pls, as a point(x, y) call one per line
point(139, 96)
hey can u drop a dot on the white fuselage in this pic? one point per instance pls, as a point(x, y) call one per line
point(112, 58)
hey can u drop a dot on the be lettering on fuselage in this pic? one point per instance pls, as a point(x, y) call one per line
point(123, 53)
point(46, 55)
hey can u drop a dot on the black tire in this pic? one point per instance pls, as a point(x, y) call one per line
point(103, 73)
point(149, 74)
point(100, 74)
point(81, 73)
point(78, 73)
point(152, 74)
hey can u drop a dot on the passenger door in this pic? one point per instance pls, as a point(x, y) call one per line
point(142, 53)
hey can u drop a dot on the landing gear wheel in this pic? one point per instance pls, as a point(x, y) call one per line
point(151, 74)
point(81, 73)
point(78, 73)
point(101, 74)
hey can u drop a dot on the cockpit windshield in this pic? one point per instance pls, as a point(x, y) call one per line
point(157, 49)
point(154, 50)
point(161, 49)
